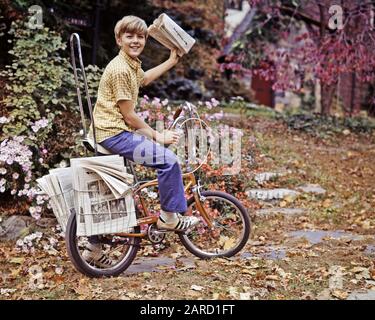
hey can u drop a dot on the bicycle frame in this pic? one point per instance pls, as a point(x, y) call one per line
point(146, 218)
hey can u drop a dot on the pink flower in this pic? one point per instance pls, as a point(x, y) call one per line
point(215, 102)
point(34, 213)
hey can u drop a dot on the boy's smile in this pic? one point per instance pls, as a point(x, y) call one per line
point(132, 43)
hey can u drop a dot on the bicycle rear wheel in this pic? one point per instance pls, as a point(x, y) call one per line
point(120, 250)
point(230, 231)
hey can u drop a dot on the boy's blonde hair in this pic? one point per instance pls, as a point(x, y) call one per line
point(131, 24)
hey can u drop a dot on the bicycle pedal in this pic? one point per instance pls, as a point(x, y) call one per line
point(161, 231)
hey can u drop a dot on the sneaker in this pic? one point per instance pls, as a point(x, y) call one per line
point(93, 254)
point(182, 223)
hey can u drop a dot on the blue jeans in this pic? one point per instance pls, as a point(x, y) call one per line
point(141, 150)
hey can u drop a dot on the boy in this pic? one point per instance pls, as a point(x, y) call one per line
point(116, 120)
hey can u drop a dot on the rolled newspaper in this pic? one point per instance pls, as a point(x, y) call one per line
point(171, 35)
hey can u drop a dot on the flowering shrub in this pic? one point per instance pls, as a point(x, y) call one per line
point(39, 123)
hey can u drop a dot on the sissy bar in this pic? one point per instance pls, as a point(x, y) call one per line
point(81, 68)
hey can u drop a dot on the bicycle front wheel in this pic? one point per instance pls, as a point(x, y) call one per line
point(230, 229)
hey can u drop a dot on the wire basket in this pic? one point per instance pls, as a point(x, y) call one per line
point(63, 206)
point(99, 212)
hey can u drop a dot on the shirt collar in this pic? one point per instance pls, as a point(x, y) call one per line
point(134, 63)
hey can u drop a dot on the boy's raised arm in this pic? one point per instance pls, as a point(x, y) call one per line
point(154, 73)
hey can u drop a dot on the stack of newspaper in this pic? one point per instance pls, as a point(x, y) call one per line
point(171, 35)
point(97, 189)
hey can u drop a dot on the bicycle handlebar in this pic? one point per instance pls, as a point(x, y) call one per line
point(177, 113)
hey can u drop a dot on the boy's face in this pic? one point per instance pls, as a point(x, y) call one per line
point(132, 43)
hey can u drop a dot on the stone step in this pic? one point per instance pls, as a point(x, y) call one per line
point(271, 194)
point(311, 188)
point(317, 236)
point(263, 177)
point(284, 211)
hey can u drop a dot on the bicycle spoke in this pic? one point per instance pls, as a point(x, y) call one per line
point(228, 230)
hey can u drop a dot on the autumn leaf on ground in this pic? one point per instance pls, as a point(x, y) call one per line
point(196, 288)
point(339, 294)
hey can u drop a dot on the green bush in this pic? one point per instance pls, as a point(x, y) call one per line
point(40, 124)
point(320, 125)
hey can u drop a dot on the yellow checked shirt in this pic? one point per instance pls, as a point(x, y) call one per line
point(121, 80)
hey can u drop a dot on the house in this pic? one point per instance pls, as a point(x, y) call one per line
point(350, 92)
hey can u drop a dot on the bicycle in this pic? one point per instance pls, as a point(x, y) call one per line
point(224, 229)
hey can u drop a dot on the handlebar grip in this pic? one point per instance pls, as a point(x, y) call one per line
point(177, 113)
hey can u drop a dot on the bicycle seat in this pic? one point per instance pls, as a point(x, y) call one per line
point(90, 145)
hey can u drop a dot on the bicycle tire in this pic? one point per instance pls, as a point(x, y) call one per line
point(191, 247)
point(83, 267)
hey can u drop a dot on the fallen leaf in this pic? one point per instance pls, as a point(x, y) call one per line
point(245, 296)
point(324, 295)
point(247, 271)
point(233, 291)
point(327, 203)
point(215, 295)
point(18, 260)
point(340, 294)
point(229, 243)
point(273, 277)
point(289, 198)
point(196, 288)
point(15, 272)
point(176, 255)
point(358, 269)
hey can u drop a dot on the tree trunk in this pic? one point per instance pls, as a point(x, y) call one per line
point(318, 96)
point(328, 91)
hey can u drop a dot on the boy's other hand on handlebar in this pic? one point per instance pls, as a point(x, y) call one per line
point(167, 137)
